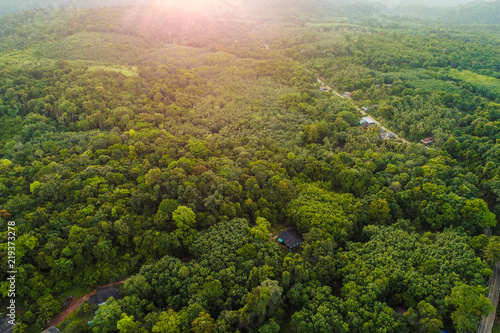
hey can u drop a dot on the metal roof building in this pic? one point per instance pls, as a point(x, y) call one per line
point(290, 238)
point(102, 295)
point(367, 120)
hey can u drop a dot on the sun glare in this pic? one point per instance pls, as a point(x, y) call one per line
point(199, 6)
point(179, 9)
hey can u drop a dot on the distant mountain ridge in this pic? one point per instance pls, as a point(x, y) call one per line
point(10, 6)
point(478, 12)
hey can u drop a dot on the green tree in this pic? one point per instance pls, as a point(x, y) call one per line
point(203, 324)
point(107, 317)
point(184, 218)
point(49, 307)
point(270, 327)
point(479, 242)
point(492, 250)
point(262, 302)
point(139, 286)
point(34, 186)
point(127, 324)
point(169, 322)
point(261, 230)
point(424, 318)
point(475, 213)
point(470, 304)
point(153, 176)
point(349, 117)
point(379, 211)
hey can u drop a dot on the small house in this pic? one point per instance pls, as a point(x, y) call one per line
point(400, 310)
point(290, 238)
point(102, 295)
point(427, 140)
point(367, 120)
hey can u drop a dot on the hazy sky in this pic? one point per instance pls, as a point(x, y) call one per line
point(426, 2)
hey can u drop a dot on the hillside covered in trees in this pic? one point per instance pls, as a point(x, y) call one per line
point(477, 12)
point(170, 146)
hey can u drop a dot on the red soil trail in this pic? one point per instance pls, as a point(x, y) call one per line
point(74, 305)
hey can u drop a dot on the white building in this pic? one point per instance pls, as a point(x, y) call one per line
point(367, 120)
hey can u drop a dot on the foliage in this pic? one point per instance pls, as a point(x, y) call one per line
point(166, 144)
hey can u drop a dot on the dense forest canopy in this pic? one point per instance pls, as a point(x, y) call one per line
point(169, 147)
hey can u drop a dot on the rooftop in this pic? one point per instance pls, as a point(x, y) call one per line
point(367, 120)
point(291, 238)
point(102, 295)
point(427, 140)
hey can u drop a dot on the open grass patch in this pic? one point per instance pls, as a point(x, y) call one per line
point(486, 85)
point(127, 71)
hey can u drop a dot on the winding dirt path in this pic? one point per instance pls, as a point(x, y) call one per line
point(320, 80)
point(382, 127)
point(75, 304)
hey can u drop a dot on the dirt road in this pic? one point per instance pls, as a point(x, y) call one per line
point(382, 127)
point(486, 324)
point(75, 304)
point(320, 80)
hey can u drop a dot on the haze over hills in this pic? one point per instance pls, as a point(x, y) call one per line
point(448, 11)
point(479, 12)
point(430, 3)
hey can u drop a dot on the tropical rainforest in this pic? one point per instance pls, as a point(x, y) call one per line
point(169, 146)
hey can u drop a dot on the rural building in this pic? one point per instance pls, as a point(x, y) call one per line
point(347, 94)
point(324, 89)
point(290, 238)
point(102, 295)
point(51, 329)
point(367, 120)
point(427, 140)
point(400, 310)
point(386, 136)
